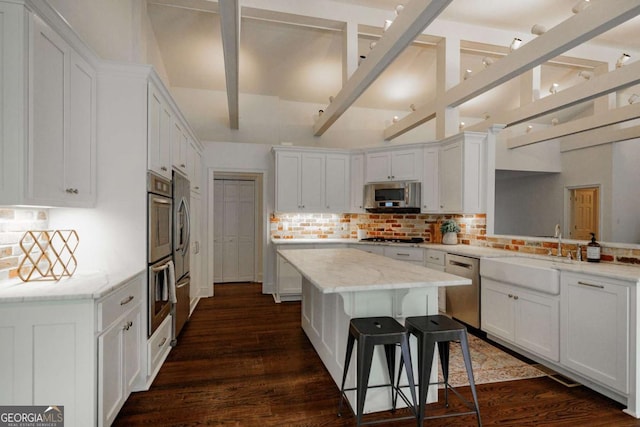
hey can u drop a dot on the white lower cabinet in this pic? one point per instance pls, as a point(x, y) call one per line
point(595, 329)
point(83, 354)
point(528, 319)
point(158, 347)
point(408, 254)
point(120, 334)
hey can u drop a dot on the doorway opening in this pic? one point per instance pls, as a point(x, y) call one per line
point(237, 227)
point(584, 212)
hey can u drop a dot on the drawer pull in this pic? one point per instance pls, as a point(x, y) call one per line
point(590, 285)
point(399, 254)
point(127, 300)
point(164, 340)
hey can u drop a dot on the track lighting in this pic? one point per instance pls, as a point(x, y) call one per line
point(467, 74)
point(633, 98)
point(320, 113)
point(554, 121)
point(538, 29)
point(395, 119)
point(387, 24)
point(529, 128)
point(580, 6)
point(487, 61)
point(361, 58)
point(622, 60)
point(412, 107)
point(399, 9)
point(461, 126)
point(372, 44)
point(554, 88)
point(515, 44)
point(585, 74)
point(486, 115)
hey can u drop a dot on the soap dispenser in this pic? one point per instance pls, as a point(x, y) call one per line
point(593, 250)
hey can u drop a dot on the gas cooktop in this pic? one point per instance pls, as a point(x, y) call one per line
point(393, 239)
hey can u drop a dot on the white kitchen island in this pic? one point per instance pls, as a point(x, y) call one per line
point(341, 284)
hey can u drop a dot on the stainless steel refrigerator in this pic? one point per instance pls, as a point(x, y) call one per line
point(181, 239)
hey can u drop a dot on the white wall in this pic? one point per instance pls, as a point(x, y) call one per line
point(625, 209)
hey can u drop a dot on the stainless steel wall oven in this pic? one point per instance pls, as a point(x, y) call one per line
point(160, 238)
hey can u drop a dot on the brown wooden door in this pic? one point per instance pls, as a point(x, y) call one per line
point(584, 213)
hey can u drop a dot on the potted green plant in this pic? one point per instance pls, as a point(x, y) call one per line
point(449, 229)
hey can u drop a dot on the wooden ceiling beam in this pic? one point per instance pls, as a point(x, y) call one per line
point(596, 19)
point(230, 27)
point(608, 118)
point(606, 135)
point(415, 17)
point(600, 85)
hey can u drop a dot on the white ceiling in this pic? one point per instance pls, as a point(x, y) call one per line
point(301, 63)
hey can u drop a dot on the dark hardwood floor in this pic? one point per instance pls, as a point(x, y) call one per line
point(243, 360)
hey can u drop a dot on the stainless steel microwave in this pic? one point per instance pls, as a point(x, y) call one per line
point(392, 197)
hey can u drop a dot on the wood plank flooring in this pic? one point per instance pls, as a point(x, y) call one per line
point(243, 360)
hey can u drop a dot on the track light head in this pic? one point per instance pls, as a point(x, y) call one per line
point(515, 44)
point(633, 98)
point(554, 88)
point(622, 60)
point(585, 74)
point(580, 6)
point(487, 61)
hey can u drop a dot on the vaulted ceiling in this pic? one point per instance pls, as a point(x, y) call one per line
point(299, 57)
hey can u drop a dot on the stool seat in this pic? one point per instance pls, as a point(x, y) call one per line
point(369, 332)
point(440, 330)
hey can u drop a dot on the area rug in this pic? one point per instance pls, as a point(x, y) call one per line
point(490, 365)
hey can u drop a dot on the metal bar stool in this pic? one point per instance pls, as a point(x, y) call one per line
point(441, 330)
point(369, 332)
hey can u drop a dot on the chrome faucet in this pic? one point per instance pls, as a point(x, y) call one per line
point(558, 234)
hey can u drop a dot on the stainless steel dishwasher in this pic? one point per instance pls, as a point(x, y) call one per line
point(463, 302)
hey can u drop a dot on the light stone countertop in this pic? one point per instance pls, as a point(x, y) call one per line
point(352, 270)
point(82, 285)
point(601, 269)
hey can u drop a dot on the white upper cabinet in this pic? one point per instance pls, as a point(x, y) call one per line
point(159, 122)
point(462, 174)
point(357, 183)
point(337, 183)
point(49, 142)
point(180, 144)
point(194, 167)
point(431, 180)
point(311, 181)
point(394, 165)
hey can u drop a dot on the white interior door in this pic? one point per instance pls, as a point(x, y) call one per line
point(234, 233)
point(218, 193)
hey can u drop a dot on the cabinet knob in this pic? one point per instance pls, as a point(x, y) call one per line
point(182, 165)
point(388, 177)
point(441, 206)
point(71, 190)
point(197, 188)
point(510, 296)
point(127, 326)
point(515, 297)
point(163, 168)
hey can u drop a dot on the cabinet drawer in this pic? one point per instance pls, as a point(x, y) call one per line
point(434, 257)
point(158, 345)
point(119, 302)
point(372, 249)
point(404, 254)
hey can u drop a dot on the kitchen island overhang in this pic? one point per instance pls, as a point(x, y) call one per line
point(341, 284)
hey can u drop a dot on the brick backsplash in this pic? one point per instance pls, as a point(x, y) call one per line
point(473, 232)
point(13, 224)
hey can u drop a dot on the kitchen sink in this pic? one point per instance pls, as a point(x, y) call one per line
point(533, 273)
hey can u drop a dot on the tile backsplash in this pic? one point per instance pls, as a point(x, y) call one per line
point(13, 224)
point(473, 232)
